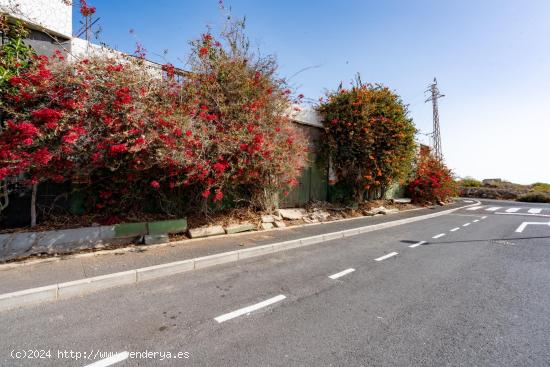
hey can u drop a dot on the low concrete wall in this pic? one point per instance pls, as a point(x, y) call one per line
point(17, 245)
point(23, 244)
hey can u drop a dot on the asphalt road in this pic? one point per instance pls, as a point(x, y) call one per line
point(478, 295)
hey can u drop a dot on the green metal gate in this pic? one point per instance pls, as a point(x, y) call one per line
point(313, 185)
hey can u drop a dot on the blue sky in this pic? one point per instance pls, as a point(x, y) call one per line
point(491, 59)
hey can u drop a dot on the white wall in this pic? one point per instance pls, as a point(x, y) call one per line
point(306, 116)
point(53, 15)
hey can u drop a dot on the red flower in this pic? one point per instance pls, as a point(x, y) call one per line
point(206, 193)
point(86, 10)
point(111, 68)
point(117, 149)
point(15, 80)
point(42, 156)
point(47, 115)
point(26, 129)
point(188, 133)
point(70, 137)
point(203, 51)
point(218, 195)
point(258, 138)
point(123, 96)
point(219, 167)
point(154, 184)
point(28, 141)
point(169, 69)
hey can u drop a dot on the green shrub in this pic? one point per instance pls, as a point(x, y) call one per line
point(536, 197)
point(540, 186)
point(470, 182)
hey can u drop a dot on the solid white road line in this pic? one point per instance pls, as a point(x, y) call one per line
point(475, 208)
point(534, 211)
point(341, 274)
point(466, 224)
point(455, 229)
point(525, 224)
point(110, 361)
point(493, 209)
point(439, 235)
point(386, 256)
point(526, 214)
point(246, 310)
point(512, 210)
point(417, 244)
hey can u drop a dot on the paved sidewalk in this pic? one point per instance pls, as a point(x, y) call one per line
point(77, 267)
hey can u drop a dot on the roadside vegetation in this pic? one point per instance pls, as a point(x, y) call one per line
point(538, 193)
point(499, 189)
point(469, 182)
point(369, 139)
point(432, 182)
point(130, 140)
point(119, 141)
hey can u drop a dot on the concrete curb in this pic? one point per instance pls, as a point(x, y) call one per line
point(83, 286)
point(172, 243)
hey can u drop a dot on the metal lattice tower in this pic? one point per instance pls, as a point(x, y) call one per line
point(436, 135)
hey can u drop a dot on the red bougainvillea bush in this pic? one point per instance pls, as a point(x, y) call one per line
point(125, 133)
point(433, 182)
point(251, 148)
point(99, 122)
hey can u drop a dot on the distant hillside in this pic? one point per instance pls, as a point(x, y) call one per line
point(496, 188)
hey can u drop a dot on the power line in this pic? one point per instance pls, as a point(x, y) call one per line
point(436, 136)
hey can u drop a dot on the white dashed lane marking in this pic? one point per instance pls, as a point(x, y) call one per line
point(417, 244)
point(476, 220)
point(466, 224)
point(455, 229)
point(111, 360)
point(493, 209)
point(439, 235)
point(342, 273)
point(512, 210)
point(534, 211)
point(475, 208)
point(386, 256)
point(249, 309)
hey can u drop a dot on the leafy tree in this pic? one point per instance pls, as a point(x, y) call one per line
point(369, 138)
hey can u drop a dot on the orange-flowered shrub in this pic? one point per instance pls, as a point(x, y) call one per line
point(369, 138)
